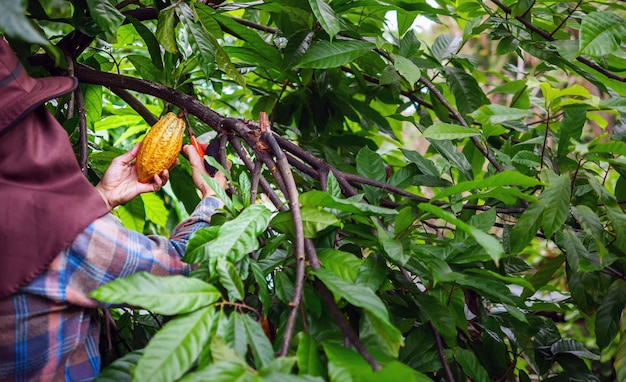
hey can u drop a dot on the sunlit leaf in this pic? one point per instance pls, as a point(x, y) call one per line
point(166, 295)
point(325, 54)
point(172, 351)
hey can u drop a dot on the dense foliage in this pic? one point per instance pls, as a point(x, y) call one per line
point(438, 193)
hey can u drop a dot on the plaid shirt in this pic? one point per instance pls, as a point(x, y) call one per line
point(48, 330)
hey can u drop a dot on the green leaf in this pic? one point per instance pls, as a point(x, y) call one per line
point(106, 15)
point(15, 24)
point(406, 68)
point(611, 147)
point(467, 92)
point(445, 46)
point(229, 278)
point(556, 200)
point(574, 118)
point(323, 199)
point(261, 282)
point(372, 272)
point(120, 369)
point(133, 215)
point(575, 250)
point(610, 313)
point(203, 43)
point(370, 165)
point(589, 220)
point(544, 274)
point(501, 179)
point(572, 346)
point(166, 29)
point(156, 211)
point(356, 295)
point(343, 264)
point(601, 33)
point(526, 227)
point(324, 54)
point(279, 366)
point(447, 131)
point(258, 342)
point(235, 238)
point(440, 315)
point(220, 371)
point(167, 295)
point(151, 42)
point(620, 354)
point(495, 114)
point(396, 371)
point(490, 244)
point(381, 336)
point(345, 364)
point(174, 349)
point(327, 18)
point(314, 221)
point(471, 365)
point(308, 358)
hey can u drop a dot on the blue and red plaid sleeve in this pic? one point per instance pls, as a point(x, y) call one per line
point(48, 329)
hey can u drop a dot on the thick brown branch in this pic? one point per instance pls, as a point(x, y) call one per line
point(298, 244)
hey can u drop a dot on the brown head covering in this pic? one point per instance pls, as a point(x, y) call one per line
point(45, 200)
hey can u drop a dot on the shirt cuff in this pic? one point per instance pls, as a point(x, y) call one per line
point(207, 207)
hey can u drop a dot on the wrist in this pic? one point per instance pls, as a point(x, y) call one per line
point(104, 197)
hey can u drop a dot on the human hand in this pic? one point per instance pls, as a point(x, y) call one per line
point(197, 170)
point(120, 182)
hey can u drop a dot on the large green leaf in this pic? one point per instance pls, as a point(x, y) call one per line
point(230, 279)
point(324, 13)
point(106, 15)
point(471, 365)
point(174, 349)
point(166, 32)
point(324, 54)
point(447, 131)
point(258, 342)
point(601, 33)
point(610, 313)
point(501, 179)
point(234, 240)
point(14, 23)
point(119, 371)
point(526, 227)
point(382, 336)
point(314, 221)
point(166, 295)
point(556, 200)
point(309, 361)
point(490, 244)
point(220, 371)
point(352, 205)
point(467, 93)
point(356, 295)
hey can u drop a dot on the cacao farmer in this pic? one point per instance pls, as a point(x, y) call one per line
point(58, 239)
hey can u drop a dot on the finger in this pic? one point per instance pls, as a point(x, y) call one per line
point(157, 182)
point(128, 156)
point(165, 176)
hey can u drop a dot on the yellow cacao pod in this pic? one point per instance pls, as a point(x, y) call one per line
point(160, 147)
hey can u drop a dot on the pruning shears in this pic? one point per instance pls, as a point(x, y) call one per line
point(212, 149)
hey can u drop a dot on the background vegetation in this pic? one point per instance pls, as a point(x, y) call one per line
point(437, 194)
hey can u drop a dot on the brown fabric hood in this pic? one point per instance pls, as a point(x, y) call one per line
point(45, 200)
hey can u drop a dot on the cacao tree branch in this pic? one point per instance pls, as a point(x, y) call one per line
point(136, 105)
point(298, 249)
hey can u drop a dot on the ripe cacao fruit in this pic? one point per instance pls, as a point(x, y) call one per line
point(160, 147)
